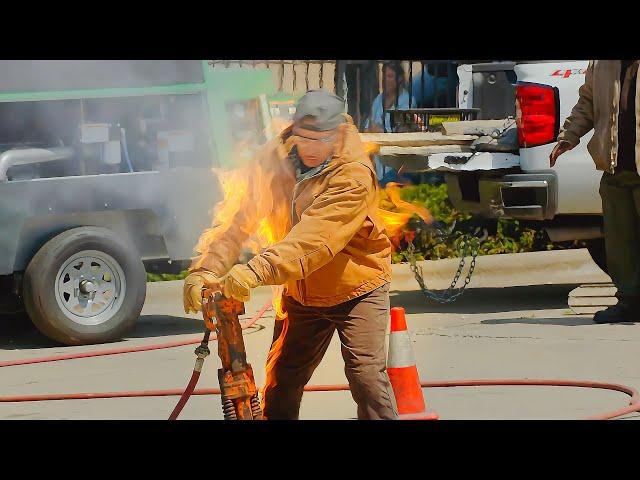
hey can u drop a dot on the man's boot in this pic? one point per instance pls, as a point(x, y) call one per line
point(623, 311)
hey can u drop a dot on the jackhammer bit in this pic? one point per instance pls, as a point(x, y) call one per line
point(238, 388)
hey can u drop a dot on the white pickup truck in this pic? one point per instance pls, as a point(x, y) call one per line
point(563, 200)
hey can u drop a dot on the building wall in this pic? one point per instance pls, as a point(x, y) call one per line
point(291, 76)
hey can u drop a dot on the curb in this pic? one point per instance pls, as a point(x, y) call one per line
point(510, 269)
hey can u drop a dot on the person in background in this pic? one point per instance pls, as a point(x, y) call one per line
point(608, 104)
point(395, 96)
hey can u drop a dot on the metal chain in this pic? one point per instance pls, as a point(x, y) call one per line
point(495, 135)
point(450, 295)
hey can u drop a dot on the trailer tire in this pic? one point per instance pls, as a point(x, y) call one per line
point(85, 286)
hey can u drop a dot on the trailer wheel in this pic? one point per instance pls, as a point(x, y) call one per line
point(85, 286)
point(598, 253)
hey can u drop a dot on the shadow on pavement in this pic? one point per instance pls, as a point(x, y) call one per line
point(489, 300)
point(17, 332)
point(165, 325)
point(569, 321)
point(149, 326)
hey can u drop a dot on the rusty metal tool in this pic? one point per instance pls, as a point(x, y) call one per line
point(239, 392)
point(238, 388)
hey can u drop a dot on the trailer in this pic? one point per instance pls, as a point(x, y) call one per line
point(105, 167)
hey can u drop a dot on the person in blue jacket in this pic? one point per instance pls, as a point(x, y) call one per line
point(395, 97)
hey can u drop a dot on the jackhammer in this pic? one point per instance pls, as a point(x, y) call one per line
point(238, 388)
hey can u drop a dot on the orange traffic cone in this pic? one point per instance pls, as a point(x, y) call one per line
point(401, 367)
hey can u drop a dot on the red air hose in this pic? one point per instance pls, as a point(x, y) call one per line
point(634, 403)
point(184, 397)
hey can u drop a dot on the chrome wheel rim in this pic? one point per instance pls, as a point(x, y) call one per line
point(90, 287)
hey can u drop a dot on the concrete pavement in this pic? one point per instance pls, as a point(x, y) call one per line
point(513, 322)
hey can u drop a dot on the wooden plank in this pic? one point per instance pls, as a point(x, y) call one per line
point(605, 291)
point(592, 301)
point(590, 298)
point(475, 127)
point(416, 139)
point(423, 151)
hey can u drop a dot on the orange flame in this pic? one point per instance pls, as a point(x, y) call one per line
point(255, 198)
point(252, 197)
point(393, 191)
point(250, 201)
point(394, 222)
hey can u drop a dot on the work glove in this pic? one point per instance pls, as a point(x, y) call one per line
point(239, 282)
point(192, 291)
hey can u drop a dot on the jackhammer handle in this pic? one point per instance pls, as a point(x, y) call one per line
point(208, 309)
point(209, 294)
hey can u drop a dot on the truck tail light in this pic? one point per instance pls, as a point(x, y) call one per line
point(537, 114)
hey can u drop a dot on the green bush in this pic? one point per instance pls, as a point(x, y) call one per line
point(161, 277)
point(510, 236)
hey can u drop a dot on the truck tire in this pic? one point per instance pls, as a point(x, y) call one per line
point(85, 286)
point(598, 253)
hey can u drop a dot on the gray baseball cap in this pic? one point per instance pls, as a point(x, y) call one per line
point(325, 108)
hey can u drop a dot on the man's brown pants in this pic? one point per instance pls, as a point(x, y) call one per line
point(361, 324)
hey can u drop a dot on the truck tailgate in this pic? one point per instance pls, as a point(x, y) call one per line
point(491, 87)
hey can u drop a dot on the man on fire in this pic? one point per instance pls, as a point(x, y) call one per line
point(334, 259)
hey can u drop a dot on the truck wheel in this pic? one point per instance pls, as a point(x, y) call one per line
point(85, 286)
point(598, 254)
